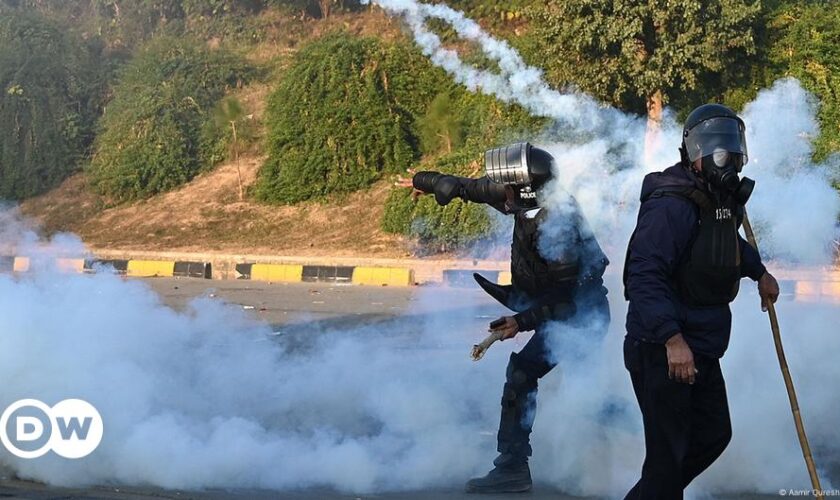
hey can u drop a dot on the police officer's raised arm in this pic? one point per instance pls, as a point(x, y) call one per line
point(448, 187)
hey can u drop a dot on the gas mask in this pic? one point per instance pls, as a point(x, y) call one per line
point(721, 169)
point(720, 143)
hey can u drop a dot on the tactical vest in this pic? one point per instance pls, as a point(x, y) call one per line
point(709, 271)
point(530, 272)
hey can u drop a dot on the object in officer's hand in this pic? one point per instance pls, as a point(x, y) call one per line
point(478, 350)
point(497, 323)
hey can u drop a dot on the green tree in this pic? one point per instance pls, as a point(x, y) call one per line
point(344, 113)
point(639, 54)
point(156, 134)
point(441, 128)
point(806, 44)
point(230, 117)
point(48, 88)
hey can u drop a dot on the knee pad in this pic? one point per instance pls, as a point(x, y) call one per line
point(509, 396)
point(520, 370)
point(518, 380)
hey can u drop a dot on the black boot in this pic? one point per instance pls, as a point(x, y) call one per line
point(511, 475)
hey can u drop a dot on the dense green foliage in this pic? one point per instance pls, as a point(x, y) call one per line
point(124, 25)
point(317, 8)
point(159, 131)
point(47, 104)
point(808, 48)
point(486, 123)
point(441, 129)
point(344, 114)
point(632, 53)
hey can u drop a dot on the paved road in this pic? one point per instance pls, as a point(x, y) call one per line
point(299, 309)
point(22, 489)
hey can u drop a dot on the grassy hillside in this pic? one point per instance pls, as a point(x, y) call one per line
point(316, 165)
point(206, 214)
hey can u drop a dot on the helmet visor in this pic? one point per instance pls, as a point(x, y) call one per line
point(714, 136)
point(508, 164)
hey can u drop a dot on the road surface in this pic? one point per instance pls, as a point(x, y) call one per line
point(301, 310)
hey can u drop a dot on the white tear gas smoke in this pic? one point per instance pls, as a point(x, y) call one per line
point(794, 206)
point(514, 82)
point(207, 398)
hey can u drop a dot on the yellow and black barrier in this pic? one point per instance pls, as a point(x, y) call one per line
point(295, 273)
point(156, 268)
point(135, 268)
point(804, 286)
point(10, 264)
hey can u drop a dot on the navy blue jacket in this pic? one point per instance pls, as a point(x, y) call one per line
point(664, 231)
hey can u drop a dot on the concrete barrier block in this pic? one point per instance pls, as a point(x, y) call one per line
point(831, 289)
point(379, 276)
point(146, 268)
point(807, 288)
point(336, 274)
point(280, 273)
point(21, 264)
point(193, 270)
point(70, 265)
point(7, 263)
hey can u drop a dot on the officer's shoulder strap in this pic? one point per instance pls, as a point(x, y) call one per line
point(692, 194)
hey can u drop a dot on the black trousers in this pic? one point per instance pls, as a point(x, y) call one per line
point(687, 427)
point(534, 361)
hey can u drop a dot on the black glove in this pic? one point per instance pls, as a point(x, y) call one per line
point(445, 187)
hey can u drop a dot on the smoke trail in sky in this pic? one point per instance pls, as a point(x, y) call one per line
point(515, 81)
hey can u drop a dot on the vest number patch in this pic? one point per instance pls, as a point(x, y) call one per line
point(723, 214)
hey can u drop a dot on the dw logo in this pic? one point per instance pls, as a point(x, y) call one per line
point(71, 428)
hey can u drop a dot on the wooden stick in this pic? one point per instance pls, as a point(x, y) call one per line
point(794, 403)
point(478, 350)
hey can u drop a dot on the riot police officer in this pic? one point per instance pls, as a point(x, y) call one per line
point(684, 264)
point(567, 288)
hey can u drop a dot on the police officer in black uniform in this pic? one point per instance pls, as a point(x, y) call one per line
point(684, 264)
point(568, 288)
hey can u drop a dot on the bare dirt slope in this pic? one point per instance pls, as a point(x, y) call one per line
point(206, 215)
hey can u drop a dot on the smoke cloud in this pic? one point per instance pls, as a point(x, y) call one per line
point(206, 397)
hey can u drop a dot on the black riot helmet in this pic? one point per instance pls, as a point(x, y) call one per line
point(716, 134)
point(523, 167)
